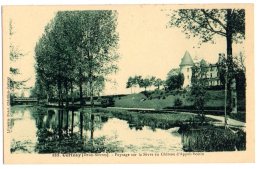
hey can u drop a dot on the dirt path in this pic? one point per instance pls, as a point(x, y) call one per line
point(230, 121)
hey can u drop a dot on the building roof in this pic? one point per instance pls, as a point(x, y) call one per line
point(186, 60)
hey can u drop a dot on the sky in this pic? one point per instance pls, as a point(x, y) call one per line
point(147, 47)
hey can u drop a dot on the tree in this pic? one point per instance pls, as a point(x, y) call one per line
point(158, 82)
point(137, 80)
point(14, 54)
point(240, 74)
point(130, 83)
point(78, 47)
point(239, 71)
point(99, 44)
point(206, 23)
point(198, 88)
point(174, 81)
point(144, 83)
point(46, 73)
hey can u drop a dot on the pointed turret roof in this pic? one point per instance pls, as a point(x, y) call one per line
point(186, 60)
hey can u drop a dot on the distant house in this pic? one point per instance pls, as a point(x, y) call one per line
point(187, 64)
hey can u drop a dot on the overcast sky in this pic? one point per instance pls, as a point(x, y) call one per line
point(146, 46)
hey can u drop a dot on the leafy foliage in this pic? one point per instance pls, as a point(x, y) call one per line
point(77, 48)
point(198, 88)
point(158, 82)
point(238, 73)
point(206, 23)
point(174, 81)
point(177, 102)
point(144, 83)
point(207, 139)
point(14, 54)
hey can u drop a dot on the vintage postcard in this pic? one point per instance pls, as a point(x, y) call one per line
point(128, 84)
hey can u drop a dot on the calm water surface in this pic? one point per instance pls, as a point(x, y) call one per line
point(48, 130)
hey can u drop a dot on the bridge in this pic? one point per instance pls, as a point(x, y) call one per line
point(24, 100)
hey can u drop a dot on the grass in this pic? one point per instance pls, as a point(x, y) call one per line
point(141, 101)
point(160, 100)
point(154, 120)
point(212, 138)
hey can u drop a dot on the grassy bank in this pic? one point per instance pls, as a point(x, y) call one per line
point(196, 137)
point(211, 138)
point(154, 120)
point(160, 100)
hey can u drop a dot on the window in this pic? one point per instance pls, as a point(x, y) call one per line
point(188, 69)
point(188, 77)
point(211, 75)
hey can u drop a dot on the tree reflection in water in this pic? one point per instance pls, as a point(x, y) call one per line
point(55, 136)
point(51, 130)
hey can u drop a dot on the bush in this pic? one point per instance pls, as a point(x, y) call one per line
point(106, 102)
point(207, 139)
point(177, 102)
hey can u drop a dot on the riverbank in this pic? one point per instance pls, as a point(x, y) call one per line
point(196, 136)
point(109, 130)
point(164, 120)
point(177, 100)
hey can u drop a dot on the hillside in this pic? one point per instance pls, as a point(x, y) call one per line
point(160, 100)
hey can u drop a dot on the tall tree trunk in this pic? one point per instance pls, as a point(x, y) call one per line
point(62, 96)
point(80, 87)
point(91, 91)
point(81, 124)
point(72, 122)
point(230, 73)
point(91, 79)
point(67, 94)
point(59, 93)
point(92, 127)
point(60, 123)
point(62, 111)
point(47, 98)
point(71, 93)
point(229, 34)
point(67, 121)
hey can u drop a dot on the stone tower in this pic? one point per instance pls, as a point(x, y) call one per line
point(186, 69)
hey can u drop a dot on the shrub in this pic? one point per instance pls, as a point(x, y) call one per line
point(177, 102)
point(106, 102)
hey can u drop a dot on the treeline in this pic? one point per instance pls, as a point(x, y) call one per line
point(75, 53)
point(173, 81)
point(144, 82)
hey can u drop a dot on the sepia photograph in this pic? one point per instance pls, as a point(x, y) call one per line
point(128, 83)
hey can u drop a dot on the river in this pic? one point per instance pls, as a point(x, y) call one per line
point(36, 129)
point(50, 130)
